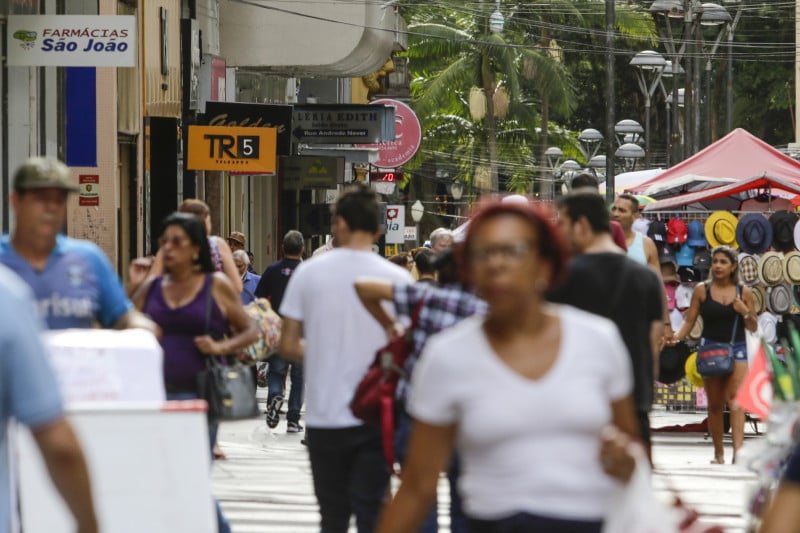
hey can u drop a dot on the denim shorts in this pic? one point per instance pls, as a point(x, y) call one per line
point(739, 350)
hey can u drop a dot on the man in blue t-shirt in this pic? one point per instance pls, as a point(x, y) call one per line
point(29, 395)
point(272, 286)
point(73, 282)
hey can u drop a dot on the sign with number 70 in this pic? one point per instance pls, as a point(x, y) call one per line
point(240, 149)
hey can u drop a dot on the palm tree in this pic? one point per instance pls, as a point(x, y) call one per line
point(455, 51)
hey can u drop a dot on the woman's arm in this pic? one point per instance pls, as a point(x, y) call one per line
point(228, 266)
point(746, 307)
point(615, 452)
point(243, 327)
point(698, 296)
point(372, 292)
point(429, 451)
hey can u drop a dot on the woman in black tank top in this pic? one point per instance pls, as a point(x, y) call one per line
point(720, 301)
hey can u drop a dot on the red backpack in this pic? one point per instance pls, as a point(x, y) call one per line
point(373, 401)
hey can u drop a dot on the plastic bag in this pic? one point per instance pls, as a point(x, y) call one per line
point(634, 507)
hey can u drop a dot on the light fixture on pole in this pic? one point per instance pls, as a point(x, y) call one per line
point(670, 73)
point(590, 140)
point(597, 165)
point(496, 20)
point(649, 65)
point(553, 155)
point(626, 127)
point(713, 15)
point(417, 211)
point(457, 191)
point(629, 153)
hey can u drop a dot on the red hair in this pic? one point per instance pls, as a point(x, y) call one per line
point(550, 247)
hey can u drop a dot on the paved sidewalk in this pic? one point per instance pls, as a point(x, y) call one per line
point(265, 484)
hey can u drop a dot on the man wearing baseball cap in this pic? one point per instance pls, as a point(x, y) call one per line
point(73, 281)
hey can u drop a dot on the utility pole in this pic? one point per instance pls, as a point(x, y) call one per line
point(610, 100)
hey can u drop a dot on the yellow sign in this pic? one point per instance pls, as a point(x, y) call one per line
point(243, 150)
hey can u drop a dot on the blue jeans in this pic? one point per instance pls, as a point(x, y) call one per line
point(350, 476)
point(223, 526)
point(276, 378)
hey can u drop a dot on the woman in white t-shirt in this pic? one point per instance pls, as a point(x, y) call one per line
point(527, 394)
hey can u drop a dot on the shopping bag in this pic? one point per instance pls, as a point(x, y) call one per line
point(268, 323)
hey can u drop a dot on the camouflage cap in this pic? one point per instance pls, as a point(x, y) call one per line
point(43, 173)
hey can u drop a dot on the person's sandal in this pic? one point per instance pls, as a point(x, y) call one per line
point(718, 460)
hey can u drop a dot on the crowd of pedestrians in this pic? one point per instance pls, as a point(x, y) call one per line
point(500, 325)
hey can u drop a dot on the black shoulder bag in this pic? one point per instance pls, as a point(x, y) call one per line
point(716, 358)
point(226, 385)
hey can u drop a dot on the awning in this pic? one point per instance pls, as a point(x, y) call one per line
point(698, 197)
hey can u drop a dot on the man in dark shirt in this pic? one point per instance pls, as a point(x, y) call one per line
point(601, 279)
point(272, 286)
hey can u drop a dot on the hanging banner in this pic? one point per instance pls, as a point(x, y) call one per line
point(71, 40)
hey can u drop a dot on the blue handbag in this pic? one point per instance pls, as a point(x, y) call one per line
point(716, 358)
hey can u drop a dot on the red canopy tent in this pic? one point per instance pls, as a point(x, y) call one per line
point(756, 182)
point(739, 156)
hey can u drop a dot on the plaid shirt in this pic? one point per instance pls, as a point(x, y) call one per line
point(441, 308)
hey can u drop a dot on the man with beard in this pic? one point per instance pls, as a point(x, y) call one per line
point(602, 280)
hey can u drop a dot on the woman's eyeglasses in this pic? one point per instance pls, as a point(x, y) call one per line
point(175, 241)
point(509, 252)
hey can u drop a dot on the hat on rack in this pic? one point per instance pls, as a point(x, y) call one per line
point(702, 264)
point(797, 235)
point(791, 267)
point(721, 229)
point(658, 232)
point(754, 233)
point(688, 274)
point(770, 268)
point(769, 326)
point(780, 299)
point(685, 256)
point(748, 268)
point(697, 236)
point(665, 255)
point(783, 224)
point(677, 231)
point(759, 298)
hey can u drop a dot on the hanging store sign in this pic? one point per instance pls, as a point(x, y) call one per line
point(311, 172)
point(245, 150)
point(252, 116)
point(71, 40)
point(395, 224)
point(343, 124)
point(408, 136)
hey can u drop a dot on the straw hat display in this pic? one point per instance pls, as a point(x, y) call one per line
point(697, 329)
point(759, 298)
point(721, 229)
point(748, 268)
point(770, 268)
point(791, 267)
point(783, 228)
point(780, 299)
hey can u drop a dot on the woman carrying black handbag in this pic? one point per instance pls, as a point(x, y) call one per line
point(727, 310)
point(179, 302)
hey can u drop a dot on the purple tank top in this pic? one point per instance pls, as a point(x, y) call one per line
point(179, 326)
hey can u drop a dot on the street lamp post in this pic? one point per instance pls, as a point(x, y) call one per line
point(649, 64)
point(630, 153)
point(590, 140)
point(627, 127)
point(713, 15)
point(417, 211)
point(670, 72)
point(553, 155)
